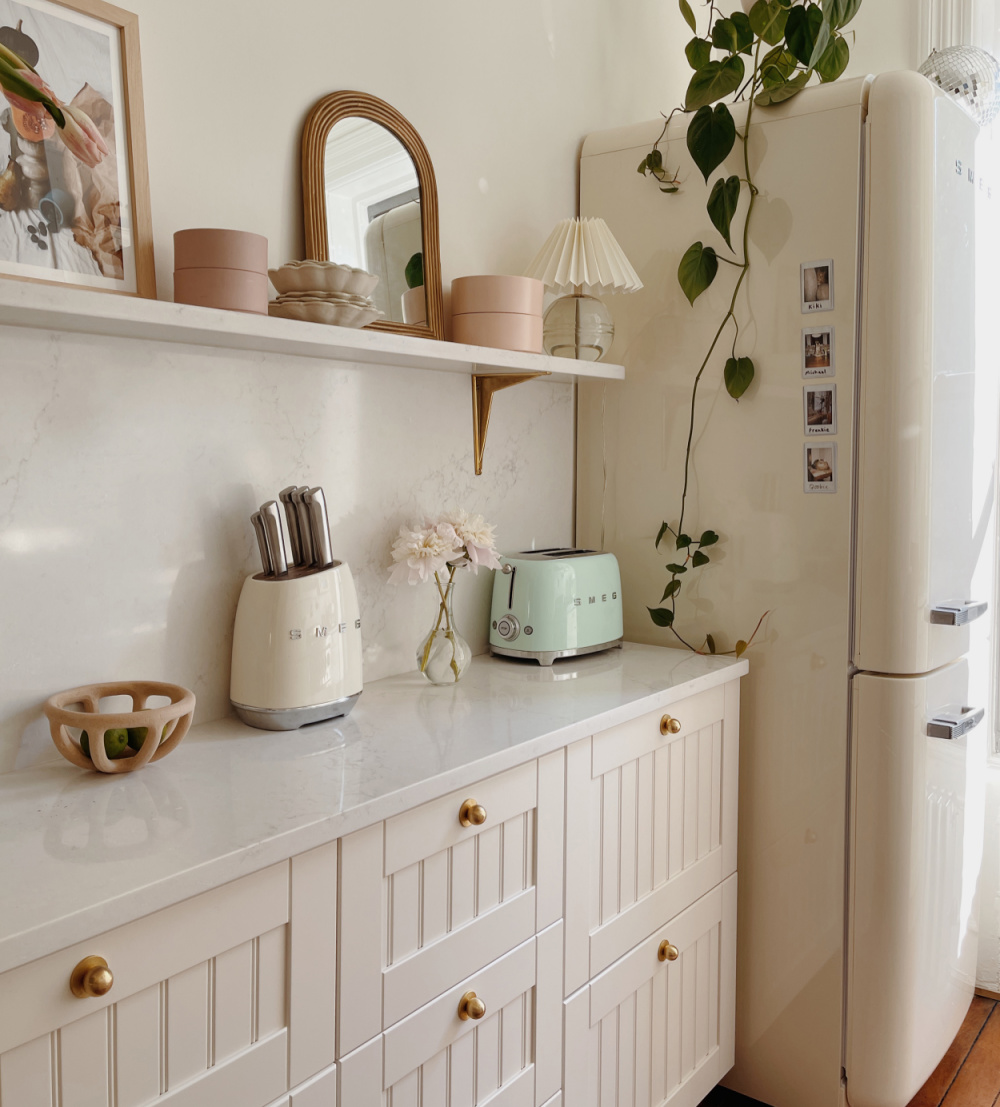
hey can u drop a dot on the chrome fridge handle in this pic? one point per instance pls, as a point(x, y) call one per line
point(957, 613)
point(954, 722)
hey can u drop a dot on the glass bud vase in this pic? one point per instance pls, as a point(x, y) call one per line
point(444, 655)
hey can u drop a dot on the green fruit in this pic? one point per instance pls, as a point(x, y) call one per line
point(137, 735)
point(115, 743)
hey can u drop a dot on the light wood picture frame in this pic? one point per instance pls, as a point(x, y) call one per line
point(63, 220)
point(319, 122)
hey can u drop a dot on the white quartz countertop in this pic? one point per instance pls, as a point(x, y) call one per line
point(81, 852)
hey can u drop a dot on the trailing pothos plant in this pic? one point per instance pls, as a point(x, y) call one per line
point(763, 55)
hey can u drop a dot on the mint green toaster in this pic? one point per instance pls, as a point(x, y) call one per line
point(556, 603)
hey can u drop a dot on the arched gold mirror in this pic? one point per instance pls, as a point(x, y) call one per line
point(370, 201)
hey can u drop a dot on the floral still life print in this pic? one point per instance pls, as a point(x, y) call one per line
point(65, 212)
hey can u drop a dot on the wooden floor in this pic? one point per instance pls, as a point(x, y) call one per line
point(968, 1076)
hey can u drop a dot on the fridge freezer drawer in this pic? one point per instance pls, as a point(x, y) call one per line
point(916, 848)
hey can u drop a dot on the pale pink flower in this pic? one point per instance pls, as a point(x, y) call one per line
point(82, 137)
point(418, 554)
point(476, 535)
point(30, 107)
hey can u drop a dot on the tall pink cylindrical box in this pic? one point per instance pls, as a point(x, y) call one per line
point(214, 267)
point(502, 312)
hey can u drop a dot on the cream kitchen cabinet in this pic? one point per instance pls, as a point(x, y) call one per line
point(531, 891)
point(214, 1000)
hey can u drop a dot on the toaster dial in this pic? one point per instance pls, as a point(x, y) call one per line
point(508, 628)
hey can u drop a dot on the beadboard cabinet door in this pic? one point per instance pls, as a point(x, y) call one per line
point(650, 824)
point(201, 1011)
point(509, 1057)
point(428, 900)
point(646, 1032)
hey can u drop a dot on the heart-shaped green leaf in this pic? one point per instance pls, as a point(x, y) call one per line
point(710, 642)
point(784, 91)
point(777, 66)
point(768, 19)
point(738, 374)
point(671, 590)
point(724, 36)
point(713, 81)
point(744, 32)
point(664, 527)
point(840, 12)
point(676, 569)
point(688, 15)
point(699, 559)
point(698, 52)
point(662, 616)
point(710, 137)
point(696, 272)
point(683, 541)
point(807, 33)
point(722, 203)
point(834, 60)
point(741, 648)
point(708, 538)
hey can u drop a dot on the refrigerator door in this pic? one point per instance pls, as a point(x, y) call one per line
point(927, 423)
point(916, 847)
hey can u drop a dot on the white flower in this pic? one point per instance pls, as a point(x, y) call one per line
point(419, 553)
point(477, 536)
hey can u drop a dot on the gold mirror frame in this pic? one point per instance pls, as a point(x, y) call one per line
point(321, 118)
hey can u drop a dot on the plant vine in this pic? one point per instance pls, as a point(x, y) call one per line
point(799, 38)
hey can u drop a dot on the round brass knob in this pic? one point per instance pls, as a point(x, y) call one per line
point(472, 813)
point(91, 978)
point(670, 725)
point(470, 1006)
point(667, 951)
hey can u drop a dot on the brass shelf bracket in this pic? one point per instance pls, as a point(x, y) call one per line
point(483, 387)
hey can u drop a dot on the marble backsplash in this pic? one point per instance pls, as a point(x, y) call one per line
point(129, 469)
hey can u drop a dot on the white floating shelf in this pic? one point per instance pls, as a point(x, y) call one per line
point(79, 311)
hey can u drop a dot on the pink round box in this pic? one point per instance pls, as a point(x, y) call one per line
point(502, 312)
point(214, 267)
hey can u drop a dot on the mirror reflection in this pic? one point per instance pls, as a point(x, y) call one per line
point(373, 214)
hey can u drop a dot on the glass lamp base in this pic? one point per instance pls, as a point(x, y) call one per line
point(578, 326)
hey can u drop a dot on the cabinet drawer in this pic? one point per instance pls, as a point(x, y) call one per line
point(650, 825)
point(648, 1032)
point(198, 1013)
point(428, 901)
point(511, 1056)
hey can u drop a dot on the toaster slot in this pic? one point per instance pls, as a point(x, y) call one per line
point(510, 592)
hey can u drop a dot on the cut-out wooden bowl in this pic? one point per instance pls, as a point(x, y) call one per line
point(80, 709)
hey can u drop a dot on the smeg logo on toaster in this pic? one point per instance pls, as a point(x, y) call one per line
point(295, 634)
point(578, 600)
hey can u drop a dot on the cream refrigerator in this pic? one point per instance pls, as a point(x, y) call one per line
point(853, 488)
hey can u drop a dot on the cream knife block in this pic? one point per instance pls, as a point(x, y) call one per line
point(296, 648)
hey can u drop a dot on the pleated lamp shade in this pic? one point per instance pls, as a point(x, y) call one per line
point(583, 254)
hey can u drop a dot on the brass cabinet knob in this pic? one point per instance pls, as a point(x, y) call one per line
point(470, 1006)
point(667, 951)
point(472, 813)
point(670, 725)
point(91, 978)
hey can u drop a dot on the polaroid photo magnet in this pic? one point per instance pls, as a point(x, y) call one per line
point(819, 354)
point(821, 468)
point(820, 404)
point(816, 286)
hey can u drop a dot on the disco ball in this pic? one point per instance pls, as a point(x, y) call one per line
point(969, 75)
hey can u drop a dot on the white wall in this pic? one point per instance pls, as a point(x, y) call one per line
point(128, 471)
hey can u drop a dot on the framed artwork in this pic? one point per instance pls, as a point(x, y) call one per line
point(74, 199)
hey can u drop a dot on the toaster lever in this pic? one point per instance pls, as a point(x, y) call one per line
point(512, 570)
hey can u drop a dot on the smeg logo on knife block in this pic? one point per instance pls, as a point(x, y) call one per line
point(323, 632)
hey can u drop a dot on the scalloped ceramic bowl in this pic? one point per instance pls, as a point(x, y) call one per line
point(79, 709)
point(322, 276)
point(331, 312)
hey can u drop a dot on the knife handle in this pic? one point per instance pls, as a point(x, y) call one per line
point(305, 533)
point(275, 545)
point(291, 523)
point(320, 527)
point(265, 556)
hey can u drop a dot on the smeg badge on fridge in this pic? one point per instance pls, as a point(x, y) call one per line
point(556, 603)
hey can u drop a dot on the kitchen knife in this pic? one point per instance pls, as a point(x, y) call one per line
point(305, 535)
point(320, 526)
point(265, 556)
point(292, 523)
point(275, 545)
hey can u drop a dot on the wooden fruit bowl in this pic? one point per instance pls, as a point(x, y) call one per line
point(80, 709)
